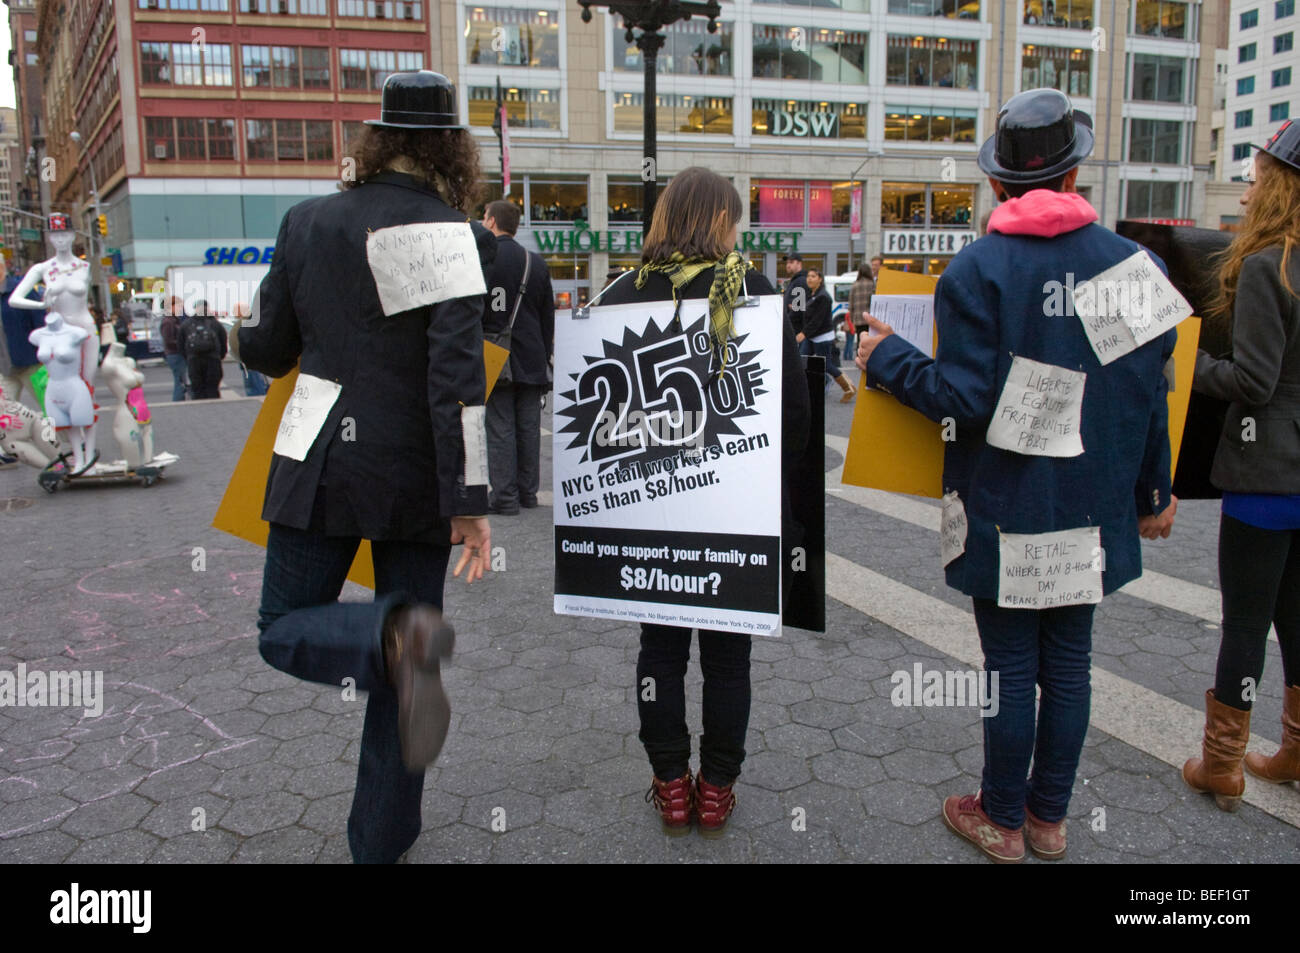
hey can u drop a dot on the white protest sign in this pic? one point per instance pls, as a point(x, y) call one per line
point(911, 317)
point(1038, 411)
point(474, 435)
point(1047, 570)
point(304, 415)
point(667, 470)
point(1128, 305)
point(952, 527)
point(424, 263)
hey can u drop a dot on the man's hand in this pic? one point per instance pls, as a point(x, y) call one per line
point(879, 330)
point(798, 338)
point(475, 533)
point(1158, 527)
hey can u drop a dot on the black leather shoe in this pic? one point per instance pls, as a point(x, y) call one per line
point(416, 640)
point(503, 510)
point(528, 502)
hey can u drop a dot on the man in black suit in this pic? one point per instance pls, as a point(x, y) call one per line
point(376, 293)
point(514, 411)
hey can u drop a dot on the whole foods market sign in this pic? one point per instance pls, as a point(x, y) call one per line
point(626, 240)
point(920, 241)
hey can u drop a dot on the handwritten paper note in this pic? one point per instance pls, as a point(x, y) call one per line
point(952, 527)
point(421, 264)
point(1046, 570)
point(911, 317)
point(474, 433)
point(1038, 412)
point(304, 415)
point(1128, 305)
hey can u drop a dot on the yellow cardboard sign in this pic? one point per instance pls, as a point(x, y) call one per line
point(240, 512)
point(892, 447)
point(899, 450)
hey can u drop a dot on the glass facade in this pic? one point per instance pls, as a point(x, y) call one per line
point(813, 53)
point(675, 114)
point(1057, 67)
point(689, 50)
point(931, 61)
point(916, 204)
point(512, 36)
point(1158, 79)
point(1071, 14)
point(929, 124)
point(526, 107)
point(1155, 141)
point(798, 203)
point(1152, 200)
point(1161, 18)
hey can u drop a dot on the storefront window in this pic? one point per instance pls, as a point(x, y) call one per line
point(1158, 79)
point(856, 6)
point(1152, 200)
point(512, 36)
point(1056, 67)
point(1075, 14)
point(796, 52)
point(675, 114)
point(526, 108)
point(556, 199)
point(1160, 18)
point(931, 61)
point(782, 202)
point(491, 191)
point(1156, 141)
point(625, 197)
point(929, 124)
point(809, 119)
point(916, 204)
point(689, 49)
point(961, 9)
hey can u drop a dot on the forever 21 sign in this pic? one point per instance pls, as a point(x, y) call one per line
point(926, 241)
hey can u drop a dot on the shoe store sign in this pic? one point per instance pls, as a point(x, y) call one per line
point(919, 241)
point(628, 240)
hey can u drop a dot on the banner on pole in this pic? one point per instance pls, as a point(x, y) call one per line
point(667, 468)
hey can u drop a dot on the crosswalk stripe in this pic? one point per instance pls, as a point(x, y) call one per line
point(1162, 727)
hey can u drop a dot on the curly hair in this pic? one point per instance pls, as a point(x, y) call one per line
point(1272, 219)
point(446, 158)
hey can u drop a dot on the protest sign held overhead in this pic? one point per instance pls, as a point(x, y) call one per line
point(667, 467)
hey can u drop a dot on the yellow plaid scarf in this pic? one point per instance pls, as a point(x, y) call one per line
point(728, 280)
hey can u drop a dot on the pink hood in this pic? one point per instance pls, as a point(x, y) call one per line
point(1042, 213)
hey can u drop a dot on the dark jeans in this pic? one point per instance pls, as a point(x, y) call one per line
point(205, 377)
point(255, 383)
point(724, 659)
point(1259, 577)
point(180, 375)
point(825, 349)
point(307, 633)
point(1053, 649)
point(514, 437)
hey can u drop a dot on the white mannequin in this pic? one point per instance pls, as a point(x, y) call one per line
point(25, 435)
point(67, 284)
point(132, 424)
point(59, 346)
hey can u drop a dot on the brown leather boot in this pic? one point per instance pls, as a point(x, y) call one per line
point(1285, 765)
point(1218, 770)
point(846, 387)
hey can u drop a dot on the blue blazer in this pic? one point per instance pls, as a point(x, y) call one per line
point(997, 300)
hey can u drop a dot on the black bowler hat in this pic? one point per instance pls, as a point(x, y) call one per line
point(1039, 137)
point(419, 100)
point(1284, 145)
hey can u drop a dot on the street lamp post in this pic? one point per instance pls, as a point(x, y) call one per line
point(107, 295)
point(651, 16)
point(853, 182)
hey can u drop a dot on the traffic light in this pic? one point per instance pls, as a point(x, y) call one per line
point(103, 224)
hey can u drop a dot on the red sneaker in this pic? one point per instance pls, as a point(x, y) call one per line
point(713, 805)
point(965, 817)
point(674, 800)
point(1045, 839)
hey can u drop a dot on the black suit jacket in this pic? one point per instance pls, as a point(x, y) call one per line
point(533, 336)
point(389, 463)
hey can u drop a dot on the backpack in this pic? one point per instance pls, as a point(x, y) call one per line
point(202, 338)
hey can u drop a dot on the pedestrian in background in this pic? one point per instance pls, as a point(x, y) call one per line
point(864, 286)
point(520, 316)
point(255, 383)
point(18, 361)
point(172, 354)
point(795, 295)
point(689, 254)
point(203, 342)
point(391, 461)
point(989, 310)
point(1257, 465)
point(816, 336)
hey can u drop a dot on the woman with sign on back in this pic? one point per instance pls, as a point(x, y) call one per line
point(1257, 465)
point(688, 253)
